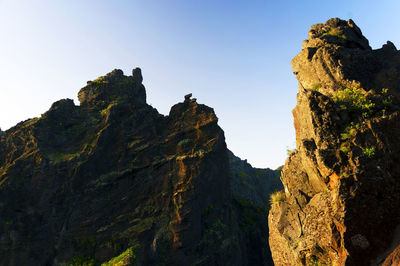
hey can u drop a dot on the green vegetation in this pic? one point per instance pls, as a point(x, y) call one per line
point(107, 109)
point(353, 99)
point(278, 196)
point(30, 122)
point(314, 261)
point(387, 98)
point(199, 152)
point(81, 261)
point(290, 151)
point(345, 147)
point(100, 80)
point(144, 225)
point(335, 32)
point(59, 156)
point(350, 131)
point(184, 142)
point(113, 175)
point(316, 87)
point(369, 152)
point(242, 174)
point(128, 257)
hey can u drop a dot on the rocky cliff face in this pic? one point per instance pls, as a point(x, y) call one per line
point(341, 200)
point(112, 181)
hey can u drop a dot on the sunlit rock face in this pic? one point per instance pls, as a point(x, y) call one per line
point(342, 183)
point(112, 180)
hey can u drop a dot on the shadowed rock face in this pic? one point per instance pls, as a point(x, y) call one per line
point(84, 184)
point(342, 184)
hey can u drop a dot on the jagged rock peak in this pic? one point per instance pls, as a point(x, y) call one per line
point(187, 97)
point(337, 56)
point(192, 113)
point(112, 87)
point(60, 109)
point(137, 75)
point(338, 32)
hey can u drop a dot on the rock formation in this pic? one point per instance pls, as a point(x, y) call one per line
point(341, 203)
point(112, 181)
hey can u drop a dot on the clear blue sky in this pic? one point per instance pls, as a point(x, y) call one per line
point(232, 55)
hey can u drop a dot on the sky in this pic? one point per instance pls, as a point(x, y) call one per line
point(232, 55)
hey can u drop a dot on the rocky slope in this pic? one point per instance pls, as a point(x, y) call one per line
point(341, 201)
point(112, 181)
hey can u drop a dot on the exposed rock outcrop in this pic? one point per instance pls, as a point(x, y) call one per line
point(112, 178)
point(342, 184)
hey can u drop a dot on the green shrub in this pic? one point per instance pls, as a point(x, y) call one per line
point(128, 257)
point(81, 261)
point(185, 142)
point(350, 131)
point(353, 99)
point(276, 197)
point(199, 152)
point(387, 98)
point(335, 32)
point(290, 151)
point(100, 80)
point(316, 87)
point(345, 147)
point(369, 152)
point(386, 102)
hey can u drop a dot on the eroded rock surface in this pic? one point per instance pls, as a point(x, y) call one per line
point(113, 180)
point(342, 183)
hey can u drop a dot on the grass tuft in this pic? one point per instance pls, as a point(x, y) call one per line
point(335, 32)
point(278, 196)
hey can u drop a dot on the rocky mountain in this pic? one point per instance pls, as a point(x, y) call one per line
point(341, 199)
point(113, 182)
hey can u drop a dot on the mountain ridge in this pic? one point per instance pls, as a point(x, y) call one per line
point(113, 180)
